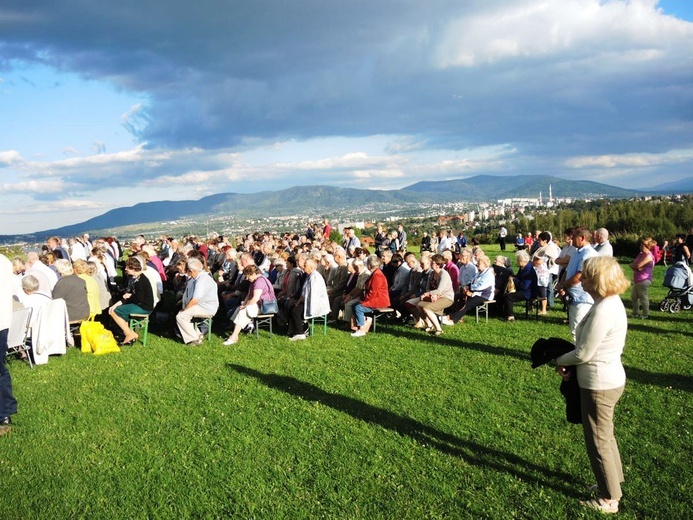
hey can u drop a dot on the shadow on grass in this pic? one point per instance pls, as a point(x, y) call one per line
point(676, 381)
point(450, 341)
point(471, 452)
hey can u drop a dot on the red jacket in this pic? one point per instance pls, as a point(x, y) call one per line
point(375, 293)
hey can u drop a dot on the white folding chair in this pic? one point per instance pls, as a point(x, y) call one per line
point(18, 336)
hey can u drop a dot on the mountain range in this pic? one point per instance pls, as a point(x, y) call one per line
point(328, 199)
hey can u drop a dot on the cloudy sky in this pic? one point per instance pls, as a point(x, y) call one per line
point(106, 104)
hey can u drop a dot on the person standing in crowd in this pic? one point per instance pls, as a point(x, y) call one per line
point(502, 235)
point(602, 244)
point(579, 301)
point(8, 404)
point(599, 342)
point(642, 278)
point(444, 242)
point(326, 229)
point(425, 243)
point(681, 252)
point(402, 239)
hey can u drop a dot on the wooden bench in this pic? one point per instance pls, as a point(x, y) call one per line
point(378, 312)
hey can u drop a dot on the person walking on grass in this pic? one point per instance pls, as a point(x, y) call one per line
point(599, 341)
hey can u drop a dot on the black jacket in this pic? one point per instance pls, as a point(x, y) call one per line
point(545, 350)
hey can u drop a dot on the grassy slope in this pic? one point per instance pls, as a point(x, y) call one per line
point(397, 425)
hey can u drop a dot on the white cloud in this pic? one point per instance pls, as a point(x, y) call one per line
point(378, 174)
point(10, 158)
point(630, 160)
point(566, 29)
point(39, 187)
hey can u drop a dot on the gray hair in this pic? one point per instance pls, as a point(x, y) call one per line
point(373, 262)
point(64, 267)
point(522, 256)
point(30, 283)
point(195, 265)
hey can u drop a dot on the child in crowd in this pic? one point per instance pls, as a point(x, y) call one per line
point(539, 262)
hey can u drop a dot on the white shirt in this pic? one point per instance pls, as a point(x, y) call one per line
point(444, 244)
point(599, 341)
point(6, 275)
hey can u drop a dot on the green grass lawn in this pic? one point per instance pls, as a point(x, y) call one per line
point(399, 424)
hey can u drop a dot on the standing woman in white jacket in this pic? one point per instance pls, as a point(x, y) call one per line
point(599, 341)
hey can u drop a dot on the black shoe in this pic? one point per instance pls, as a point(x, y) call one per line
point(5, 421)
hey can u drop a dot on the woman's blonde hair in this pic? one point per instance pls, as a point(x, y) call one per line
point(603, 275)
point(80, 267)
point(649, 243)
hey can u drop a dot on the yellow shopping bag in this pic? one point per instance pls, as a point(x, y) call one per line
point(87, 330)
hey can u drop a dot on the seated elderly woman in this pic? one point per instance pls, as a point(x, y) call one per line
point(375, 295)
point(261, 290)
point(435, 301)
point(93, 294)
point(138, 299)
point(351, 297)
point(479, 292)
point(73, 290)
point(525, 285)
point(502, 275)
point(101, 280)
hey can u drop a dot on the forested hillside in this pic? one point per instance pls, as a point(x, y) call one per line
point(626, 220)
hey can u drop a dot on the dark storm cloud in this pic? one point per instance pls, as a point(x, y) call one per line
point(554, 79)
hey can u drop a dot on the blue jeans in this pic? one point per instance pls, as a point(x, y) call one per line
point(359, 314)
point(8, 404)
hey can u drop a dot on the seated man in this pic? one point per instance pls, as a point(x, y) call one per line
point(520, 243)
point(413, 279)
point(337, 281)
point(200, 299)
point(478, 292)
point(44, 274)
point(364, 274)
point(399, 282)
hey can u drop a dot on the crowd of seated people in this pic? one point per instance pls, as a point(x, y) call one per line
point(308, 275)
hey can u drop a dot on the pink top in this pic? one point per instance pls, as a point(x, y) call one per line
point(646, 272)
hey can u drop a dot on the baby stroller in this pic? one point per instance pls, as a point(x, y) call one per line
point(679, 280)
